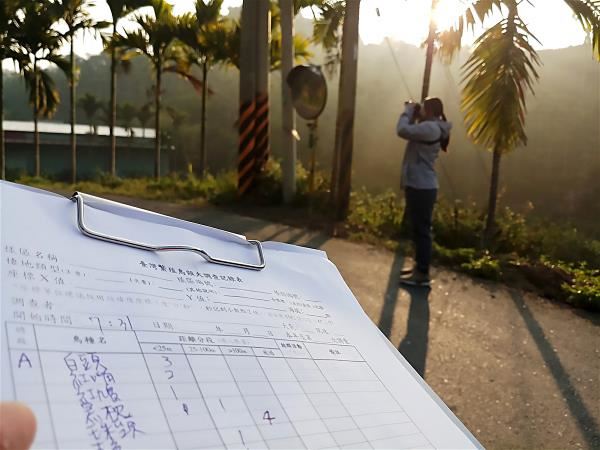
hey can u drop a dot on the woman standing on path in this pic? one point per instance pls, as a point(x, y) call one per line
point(427, 131)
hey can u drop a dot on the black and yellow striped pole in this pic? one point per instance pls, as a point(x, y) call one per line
point(247, 141)
point(263, 47)
point(254, 129)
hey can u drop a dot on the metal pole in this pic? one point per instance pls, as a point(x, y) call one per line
point(72, 81)
point(288, 119)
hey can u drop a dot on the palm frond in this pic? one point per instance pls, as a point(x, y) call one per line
point(60, 62)
point(121, 8)
point(299, 4)
point(90, 105)
point(131, 44)
point(48, 97)
point(33, 31)
point(498, 76)
point(587, 13)
point(186, 75)
point(207, 13)
point(301, 49)
point(449, 42)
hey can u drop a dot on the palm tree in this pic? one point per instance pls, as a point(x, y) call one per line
point(90, 105)
point(105, 113)
point(498, 75)
point(126, 114)
point(118, 10)
point(8, 10)
point(342, 159)
point(206, 34)
point(76, 17)
point(144, 114)
point(156, 39)
point(177, 118)
point(37, 41)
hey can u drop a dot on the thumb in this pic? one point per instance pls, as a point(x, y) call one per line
point(17, 426)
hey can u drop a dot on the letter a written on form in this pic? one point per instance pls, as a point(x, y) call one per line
point(24, 359)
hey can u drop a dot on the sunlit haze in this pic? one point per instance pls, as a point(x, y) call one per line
point(401, 20)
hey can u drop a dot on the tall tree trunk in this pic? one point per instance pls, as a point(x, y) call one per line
point(344, 133)
point(36, 134)
point(429, 54)
point(493, 197)
point(157, 121)
point(203, 165)
point(73, 137)
point(2, 149)
point(288, 120)
point(113, 107)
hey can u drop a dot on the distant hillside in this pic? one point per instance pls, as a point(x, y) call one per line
point(558, 172)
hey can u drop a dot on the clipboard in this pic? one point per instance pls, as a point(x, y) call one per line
point(277, 353)
point(80, 199)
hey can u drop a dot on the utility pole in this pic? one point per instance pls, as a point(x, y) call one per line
point(429, 54)
point(263, 50)
point(341, 176)
point(246, 156)
point(254, 92)
point(288, 119)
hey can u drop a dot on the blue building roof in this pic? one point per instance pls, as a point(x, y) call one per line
point(80, 129)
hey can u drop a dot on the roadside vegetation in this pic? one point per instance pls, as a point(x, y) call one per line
point(555, 260)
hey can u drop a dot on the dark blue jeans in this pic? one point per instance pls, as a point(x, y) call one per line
point(419, 207)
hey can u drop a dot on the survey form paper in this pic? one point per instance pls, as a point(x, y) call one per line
point(114, 347)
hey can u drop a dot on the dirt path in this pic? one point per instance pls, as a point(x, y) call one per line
point(518, 370)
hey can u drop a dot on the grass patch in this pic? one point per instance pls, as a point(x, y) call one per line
point(173, 188)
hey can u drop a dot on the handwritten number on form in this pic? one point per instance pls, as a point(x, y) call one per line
point(267, 416)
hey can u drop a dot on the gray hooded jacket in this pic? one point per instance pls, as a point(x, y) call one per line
point(422, 149)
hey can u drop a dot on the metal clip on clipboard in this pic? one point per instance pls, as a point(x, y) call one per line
point(79, 198)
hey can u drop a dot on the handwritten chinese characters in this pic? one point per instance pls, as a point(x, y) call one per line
point(106, 418)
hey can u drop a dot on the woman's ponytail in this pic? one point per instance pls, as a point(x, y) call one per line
point(435, 107)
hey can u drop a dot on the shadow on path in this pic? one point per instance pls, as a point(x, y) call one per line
point(414, 345)
point(316, 241)
point(585, 421)
point(386, 318)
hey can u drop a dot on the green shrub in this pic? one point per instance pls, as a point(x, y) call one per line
point(567, 244)
point(485, 267)
point(582, 285)
point(107, 180)
point(379, 215)
point(454, 257)
point(456, 226)
point(513, 234)
point(584, 292)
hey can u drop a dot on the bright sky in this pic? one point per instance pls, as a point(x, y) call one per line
point(404, 20)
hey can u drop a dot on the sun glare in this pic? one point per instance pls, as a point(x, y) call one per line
point(446, 13)
point(404, 20)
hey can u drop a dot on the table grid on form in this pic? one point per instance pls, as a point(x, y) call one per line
point(161, 389)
